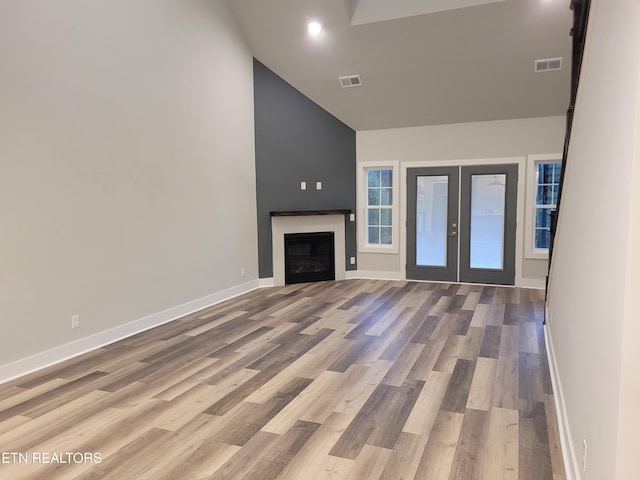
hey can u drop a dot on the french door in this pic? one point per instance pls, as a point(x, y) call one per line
point(461, 223)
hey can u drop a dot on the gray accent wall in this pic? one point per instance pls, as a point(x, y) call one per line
point(297, 140)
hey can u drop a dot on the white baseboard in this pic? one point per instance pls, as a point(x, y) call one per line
point(537, 283)
point(350, 275)
point(266, 282)
point(64, 352)
point(571, 468)
point(385, 275)
point(374, 275)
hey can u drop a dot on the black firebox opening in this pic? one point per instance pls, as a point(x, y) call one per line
point(309, 257)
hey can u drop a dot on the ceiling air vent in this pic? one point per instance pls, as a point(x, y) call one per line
point(350, 81)
point(548, 64)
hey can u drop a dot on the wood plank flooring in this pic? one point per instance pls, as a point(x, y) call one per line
point(357, 380)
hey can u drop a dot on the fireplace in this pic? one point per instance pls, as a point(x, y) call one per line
point(309, 257)
point(307, 222)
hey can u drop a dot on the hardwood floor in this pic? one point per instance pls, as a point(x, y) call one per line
point(357, 379)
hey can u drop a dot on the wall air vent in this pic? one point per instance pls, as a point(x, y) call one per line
point(350, 81)
point(548, 65)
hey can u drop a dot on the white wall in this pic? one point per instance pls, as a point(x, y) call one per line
point(127, 181)
point(479, 140)
point(628, 464)
point(594, 282)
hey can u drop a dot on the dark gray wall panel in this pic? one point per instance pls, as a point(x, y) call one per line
point(297, 140)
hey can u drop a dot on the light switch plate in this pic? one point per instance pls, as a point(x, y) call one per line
point(352, 217)
point(318, 185)
point(303, 185)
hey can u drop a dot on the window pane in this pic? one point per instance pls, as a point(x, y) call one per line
point(374, 235)
point(548, 174)
point(385, 197)
point(386, 178)
point(548, 195)
point(385, 235)
point(374, 216)
point(379, 199)
point(374, 196)
point(542, 238)
point(545, 195)
point(487, 221)
point(385, 217)
point(373, 178)
point(431, 220)
point(556, 172)
point(543, 219)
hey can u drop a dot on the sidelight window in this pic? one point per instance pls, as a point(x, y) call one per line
point(379, 206)
point(378, 220)
point(544, 172)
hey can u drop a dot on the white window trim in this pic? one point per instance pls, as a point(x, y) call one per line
point(529, 245)
point(364, 247)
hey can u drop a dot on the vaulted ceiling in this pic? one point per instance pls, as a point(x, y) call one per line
point(470, 63)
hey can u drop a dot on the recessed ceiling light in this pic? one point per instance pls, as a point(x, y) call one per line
point(314, 28)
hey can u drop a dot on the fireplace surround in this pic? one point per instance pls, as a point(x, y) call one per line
point(283, 223)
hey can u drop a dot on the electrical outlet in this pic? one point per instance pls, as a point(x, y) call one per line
point(352, 260)
point(242, 272)
point(318, 185)
point(75, 321)
point(584, 455)
point(352, 217)
point(303, 185)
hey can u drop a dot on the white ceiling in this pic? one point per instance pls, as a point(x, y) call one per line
point(369, 11)
point(462, 65)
